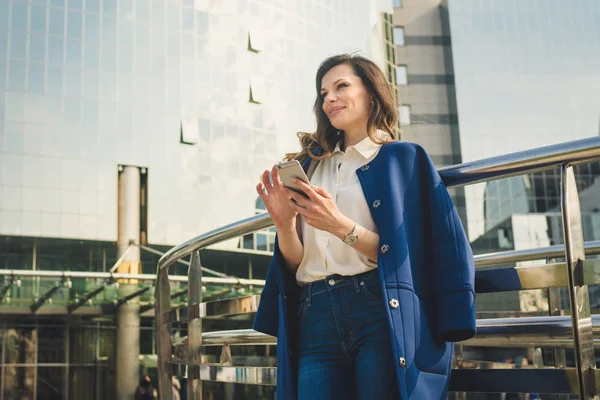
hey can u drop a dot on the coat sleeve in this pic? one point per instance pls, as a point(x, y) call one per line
point(267, 315)
point(453, 264)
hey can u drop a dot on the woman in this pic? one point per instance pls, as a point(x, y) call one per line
point(372, 276)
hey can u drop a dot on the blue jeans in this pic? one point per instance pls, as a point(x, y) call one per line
point(344, 346)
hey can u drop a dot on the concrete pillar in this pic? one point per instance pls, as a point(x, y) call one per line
point(128, 317)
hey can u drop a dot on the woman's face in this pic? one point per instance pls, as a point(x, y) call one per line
point(346, 101)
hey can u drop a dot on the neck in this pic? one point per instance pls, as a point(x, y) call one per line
point(354, 136)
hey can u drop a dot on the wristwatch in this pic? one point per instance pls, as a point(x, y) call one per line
point(352, 237)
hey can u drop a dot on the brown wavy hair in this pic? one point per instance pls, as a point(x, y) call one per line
point(384, 114)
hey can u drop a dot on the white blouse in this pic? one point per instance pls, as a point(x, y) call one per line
point(324, 253)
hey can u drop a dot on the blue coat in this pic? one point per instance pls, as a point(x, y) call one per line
point(425, 262)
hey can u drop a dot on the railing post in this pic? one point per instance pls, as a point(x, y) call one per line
point(578, 290)
point(194, 327)
point(163, 332)
point(554, 309)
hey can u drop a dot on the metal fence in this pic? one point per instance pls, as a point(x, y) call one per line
point(575, 331)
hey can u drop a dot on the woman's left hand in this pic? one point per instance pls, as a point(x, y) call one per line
point(319, 209)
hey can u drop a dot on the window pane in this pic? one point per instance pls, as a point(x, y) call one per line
point(398, 36)
point(37, 47)
point(90, 84)
point(248, 242)
point(126, 9)
point(92, 5)
point(107, 341)
point(19, 347)
point(16, 75)
point(397, 3)
point(90, 115)
point(74, 24)
point(142, 10)
point(261, 241)
point(38, 19)
point(83, 378)
point(18, 44)
point(55, 80)
point(51, 344)
point(82, 345)
point(13, 137)
point(18, 381)
point(55, 50)
point(401, 75)
point(141, 37)
point(92, 27)
point(19, 15)
point(50, 382)
point(35, 81)
point(92, 54)
point(74, 53)
point(72, 113)
point(73, 83)
point(57, 21)
point(125, 33)
point(187, 19)
point(4, 14)
point(76, 4)
point(405, 115)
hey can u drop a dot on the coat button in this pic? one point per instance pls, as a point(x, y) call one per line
point(394, 303)
point(331, 282)
point(364, 167)
point(402, 362)
point(376, 203)
point(385, 248)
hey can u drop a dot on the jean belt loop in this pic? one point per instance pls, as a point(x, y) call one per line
point(309, 294)
point(355, 281)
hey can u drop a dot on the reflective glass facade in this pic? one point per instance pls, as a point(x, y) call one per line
point(526, 75)
point(203, 94)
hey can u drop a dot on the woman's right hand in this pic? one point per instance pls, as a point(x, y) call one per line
point(276, 200)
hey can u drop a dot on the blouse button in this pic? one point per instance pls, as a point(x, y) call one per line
point(385, 248)
point(364, 167)
point(402, 362)
point(394, 303)
point(376, 203)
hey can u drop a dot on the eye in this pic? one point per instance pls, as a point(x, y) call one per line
point(323, 94)
point(341, 85)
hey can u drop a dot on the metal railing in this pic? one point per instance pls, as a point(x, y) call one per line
point(575, 273)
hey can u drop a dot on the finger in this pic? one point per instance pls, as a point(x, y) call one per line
point(260, 189)
point(275, 177)
point(306, 188)
point(300, 199)
point(266, 181)
point(322, 191)
point(296, 207)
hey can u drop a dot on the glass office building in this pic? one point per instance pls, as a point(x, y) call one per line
point(526, 76)
point(205, 95)
point(201, 95)
point(428, 113)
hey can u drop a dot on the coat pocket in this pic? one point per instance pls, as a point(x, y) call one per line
point(431, 355)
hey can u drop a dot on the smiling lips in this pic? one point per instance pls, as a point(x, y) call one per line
point(334, 111)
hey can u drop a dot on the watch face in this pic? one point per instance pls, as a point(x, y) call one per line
point(351, 239)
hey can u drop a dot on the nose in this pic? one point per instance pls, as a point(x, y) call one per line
point(330, 97)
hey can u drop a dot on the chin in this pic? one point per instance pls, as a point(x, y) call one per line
point(337, 125)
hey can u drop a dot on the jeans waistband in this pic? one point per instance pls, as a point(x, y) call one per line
point(336, 281)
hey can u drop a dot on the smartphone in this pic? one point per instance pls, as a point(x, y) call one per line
point(289, 170)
